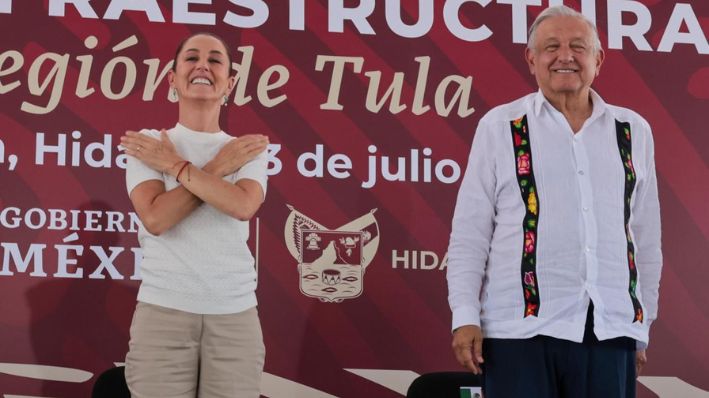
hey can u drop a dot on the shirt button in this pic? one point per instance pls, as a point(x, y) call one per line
point(585, 209)
point(588, 249)
point(580, 172)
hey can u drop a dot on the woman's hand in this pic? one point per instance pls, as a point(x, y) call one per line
point(159, 155)
point(236, 153)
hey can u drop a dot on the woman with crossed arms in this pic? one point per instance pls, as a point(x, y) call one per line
point(195, 330)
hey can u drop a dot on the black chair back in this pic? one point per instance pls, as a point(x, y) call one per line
point(443, 385)
point(111, 384)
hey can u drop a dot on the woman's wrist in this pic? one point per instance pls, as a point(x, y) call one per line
point(186, 168)
point(209, 168)
point(175, 168)
point(214, 168)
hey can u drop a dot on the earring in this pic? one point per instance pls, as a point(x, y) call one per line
point(173, 95)
point(226, 100)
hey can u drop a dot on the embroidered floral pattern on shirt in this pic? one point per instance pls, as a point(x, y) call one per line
point(625, 147)
point(527, 186)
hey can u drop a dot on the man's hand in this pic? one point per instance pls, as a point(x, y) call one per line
point(468, 347)
point(236, 153)
point(640, 361)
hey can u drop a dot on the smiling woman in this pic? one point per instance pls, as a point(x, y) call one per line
point(217, 57)
point(196, 330)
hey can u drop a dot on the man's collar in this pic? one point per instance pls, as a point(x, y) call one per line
point(599, 106)
point(539, 101)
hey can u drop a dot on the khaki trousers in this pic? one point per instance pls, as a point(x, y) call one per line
point(179, 354)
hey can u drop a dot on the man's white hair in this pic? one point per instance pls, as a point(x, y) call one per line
point(558, 11)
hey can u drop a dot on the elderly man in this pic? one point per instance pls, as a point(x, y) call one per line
point(554, 257)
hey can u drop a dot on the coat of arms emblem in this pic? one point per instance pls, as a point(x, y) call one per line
point(331, 263)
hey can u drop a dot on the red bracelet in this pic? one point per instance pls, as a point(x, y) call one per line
point(177, 177)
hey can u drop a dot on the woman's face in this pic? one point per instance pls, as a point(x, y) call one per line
point(202, 71)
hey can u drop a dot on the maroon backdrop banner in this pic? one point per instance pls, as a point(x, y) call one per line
point(370, 107)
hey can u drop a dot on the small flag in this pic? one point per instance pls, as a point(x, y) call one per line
point(470, 392)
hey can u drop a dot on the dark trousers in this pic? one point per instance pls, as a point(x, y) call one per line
point(546, 367)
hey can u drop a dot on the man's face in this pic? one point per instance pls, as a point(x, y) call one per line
point(563, 58)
